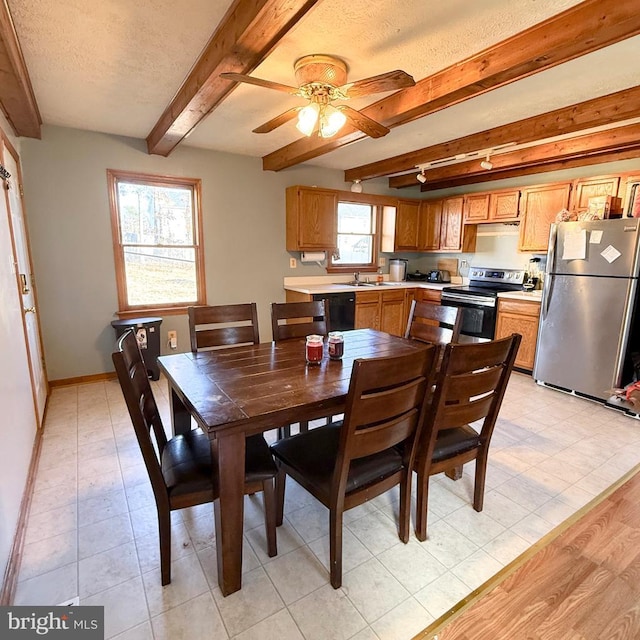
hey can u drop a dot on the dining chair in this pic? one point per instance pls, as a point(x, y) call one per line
point(299, 319)
point(204, 333)
point(435, 323)
point(182, 469)
point(294, 320)
point(470, 386)
point(347, 463)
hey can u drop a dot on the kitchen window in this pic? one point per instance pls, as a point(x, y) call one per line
point(357, 237)
point(157, 242)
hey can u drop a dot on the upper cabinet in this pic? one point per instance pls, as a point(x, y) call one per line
point(493, 206)
point(311, 219)
point(451, 224)
point(539, 206)
point(586, 188)
point(407, 221)
point(429, 225)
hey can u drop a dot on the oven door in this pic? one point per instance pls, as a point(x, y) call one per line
point(478, 313)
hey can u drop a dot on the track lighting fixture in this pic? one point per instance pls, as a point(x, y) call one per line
point(487, 164)
point(356, 187)
point(421, 177)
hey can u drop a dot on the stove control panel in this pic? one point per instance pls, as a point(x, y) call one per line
point(504, 276)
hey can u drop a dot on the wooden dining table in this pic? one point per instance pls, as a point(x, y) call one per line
point(240, 391)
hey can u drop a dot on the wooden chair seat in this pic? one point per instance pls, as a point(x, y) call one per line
point(182, 469)
point(345, 465)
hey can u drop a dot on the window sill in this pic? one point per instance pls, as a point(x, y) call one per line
point(153, 311)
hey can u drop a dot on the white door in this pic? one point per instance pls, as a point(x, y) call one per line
point(26, 283)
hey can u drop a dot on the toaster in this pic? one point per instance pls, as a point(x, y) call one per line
point(439, 275)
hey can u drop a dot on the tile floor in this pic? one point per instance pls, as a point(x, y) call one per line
point(92, 529)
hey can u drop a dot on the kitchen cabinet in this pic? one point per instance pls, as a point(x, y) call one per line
point(493, 206)
point(586, 188)
point(451, 225)
point(539, 206)
point(429, 295)
point(381, 310)
point(429, 225)
point(406, 232)
point(311, 219)
point(519, 316)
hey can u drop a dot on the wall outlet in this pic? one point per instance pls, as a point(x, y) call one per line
point(172, 337)
point(382, 262)
point(293, 263)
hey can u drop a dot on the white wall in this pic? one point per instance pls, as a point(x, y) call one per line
point(18, 421)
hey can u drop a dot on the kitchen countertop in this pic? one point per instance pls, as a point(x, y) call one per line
point(343, 287)
point(531, 296)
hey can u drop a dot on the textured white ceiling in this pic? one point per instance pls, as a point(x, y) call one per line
point(113, 66)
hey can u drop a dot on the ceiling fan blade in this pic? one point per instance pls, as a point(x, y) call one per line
point(267, 84)
point(277, 121)
point(364, 123)
point(390, 81)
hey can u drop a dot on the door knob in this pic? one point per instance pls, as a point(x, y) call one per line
point(30, 310)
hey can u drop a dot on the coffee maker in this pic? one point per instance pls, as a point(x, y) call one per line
point(532, 277)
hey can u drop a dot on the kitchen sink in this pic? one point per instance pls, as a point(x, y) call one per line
point(358, 283)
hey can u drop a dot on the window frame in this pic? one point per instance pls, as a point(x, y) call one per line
point(114, 177)
point(376, 212)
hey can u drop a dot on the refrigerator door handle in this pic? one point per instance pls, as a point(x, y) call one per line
point(551, 253)
point(547, 289)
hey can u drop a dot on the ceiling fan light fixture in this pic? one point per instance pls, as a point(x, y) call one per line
point(307, 118)
point(331, 121)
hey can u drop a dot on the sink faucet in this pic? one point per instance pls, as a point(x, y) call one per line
point(356, 276)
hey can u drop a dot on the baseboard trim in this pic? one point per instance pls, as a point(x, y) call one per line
point(10, 579)
point(96, 377)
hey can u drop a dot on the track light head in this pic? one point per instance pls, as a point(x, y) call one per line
point(487, 164)
point(356, 186)
point(421, 177)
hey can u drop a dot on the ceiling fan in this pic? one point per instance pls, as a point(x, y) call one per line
point(322, 79)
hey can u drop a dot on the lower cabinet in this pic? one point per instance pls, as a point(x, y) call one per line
point(383, 310)
point(429, 295)
point(520, 316)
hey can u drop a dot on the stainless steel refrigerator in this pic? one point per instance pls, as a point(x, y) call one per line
point(588, 338)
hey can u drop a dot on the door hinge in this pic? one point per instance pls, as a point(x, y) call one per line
point(21, 190)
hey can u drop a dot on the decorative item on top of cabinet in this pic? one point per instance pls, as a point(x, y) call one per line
point(538, 208)
point(311, 218)
point(586, 188)
point(519, 316)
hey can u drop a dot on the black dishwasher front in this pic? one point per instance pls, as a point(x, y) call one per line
point(342, 309)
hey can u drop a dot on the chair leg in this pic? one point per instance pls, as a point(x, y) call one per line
point(281, 483)
point(335, 547)
point(164, 529)
point(405, 508)
point(455, 473)
point(481, 474)
point(269, 493)
point(421, 507)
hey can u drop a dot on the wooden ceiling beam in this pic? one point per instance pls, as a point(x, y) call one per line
point(246, 35)
point(552, 165)
point(618, 139)
point(615, 107)
point(582, 29)
point(16, 93)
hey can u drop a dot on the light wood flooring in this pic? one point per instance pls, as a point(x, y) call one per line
point(584, 584)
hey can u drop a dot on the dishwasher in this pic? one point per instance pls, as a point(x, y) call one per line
point(342, 309)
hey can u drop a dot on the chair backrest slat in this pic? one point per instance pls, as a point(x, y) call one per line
point(435, 323)
point(145, 417)
point(385, 406)
point(470, 386)
point(237, 324)
point(299, 319)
